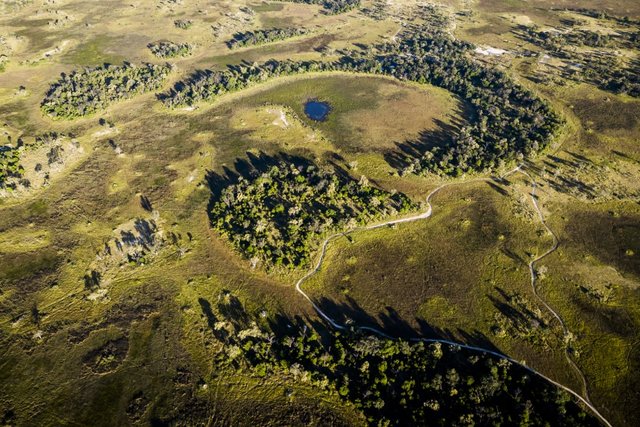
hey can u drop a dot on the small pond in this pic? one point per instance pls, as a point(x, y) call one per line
point(317, 110)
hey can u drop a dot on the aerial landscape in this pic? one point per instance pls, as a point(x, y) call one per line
point(319, 213)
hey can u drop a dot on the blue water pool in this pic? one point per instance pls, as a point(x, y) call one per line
point(317, 110)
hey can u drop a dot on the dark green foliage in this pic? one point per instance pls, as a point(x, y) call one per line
point(396, 382)
point(207, 85)
point(510, 123)
point(9, 164)
point(602, 14)
point(332, 7)
point(253, 38)
point(608, 72)
point(85, 92)
point(277, 216)
point(557, 41)
point(166, 49)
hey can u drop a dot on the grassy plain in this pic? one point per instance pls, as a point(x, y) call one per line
point(142, 350)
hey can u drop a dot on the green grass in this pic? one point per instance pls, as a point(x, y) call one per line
point(268, 7)
point(93, 53)
point(595, 239)
point(442, 271)
point(356, 105)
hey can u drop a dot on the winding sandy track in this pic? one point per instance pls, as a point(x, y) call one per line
point(534, 279)
point(427, 214)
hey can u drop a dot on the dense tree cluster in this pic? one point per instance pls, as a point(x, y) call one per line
point(559, 41)
point(278, 215)
point(207, 85)
point(606, 71)
point(395, 382)
point(510, 122)
point(85, 92)
point(332, 7)
point(10, 166)
point(601, 66)
point(258, 37)
point(167, 49)
point(555, 40)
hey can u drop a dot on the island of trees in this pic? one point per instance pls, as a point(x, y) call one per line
point(44, 151)
point(276, 217)
point(84, 92)
point(168, 49)
point(332, 7)
point(254, 38)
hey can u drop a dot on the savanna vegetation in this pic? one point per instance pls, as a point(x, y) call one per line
point(12, 168)
point(277, 217)
point(393, 382)
point(84, 92)
point(510, 122)
point(168, 49)
point(116, 229)
point(9, 164)
point(333, 7)
point(258, 37)
point(603, 65)
point(183, 24)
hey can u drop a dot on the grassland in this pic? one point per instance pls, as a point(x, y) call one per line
point(139, 350)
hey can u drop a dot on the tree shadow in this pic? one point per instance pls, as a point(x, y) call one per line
point(256, 164)
point(405, 153)
point(391, 323)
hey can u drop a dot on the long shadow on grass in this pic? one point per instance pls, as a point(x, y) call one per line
point(354, 364)
point(390, 322)
point(281, 327)
point(254, 165)
point(248, 168)
point(406, 152)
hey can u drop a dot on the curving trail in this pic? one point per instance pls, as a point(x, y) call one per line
point(425, 215)
point(534, 279)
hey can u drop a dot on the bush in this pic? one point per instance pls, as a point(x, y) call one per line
point(509, 123)
point(166, 49)
point(183, 24)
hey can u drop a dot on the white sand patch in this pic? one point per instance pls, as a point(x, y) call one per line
point(100, 294)
point(56, 50)
point(281, 120)
point(490, 51)
point(192, 176)
point(544, 59)
point(105, 132)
